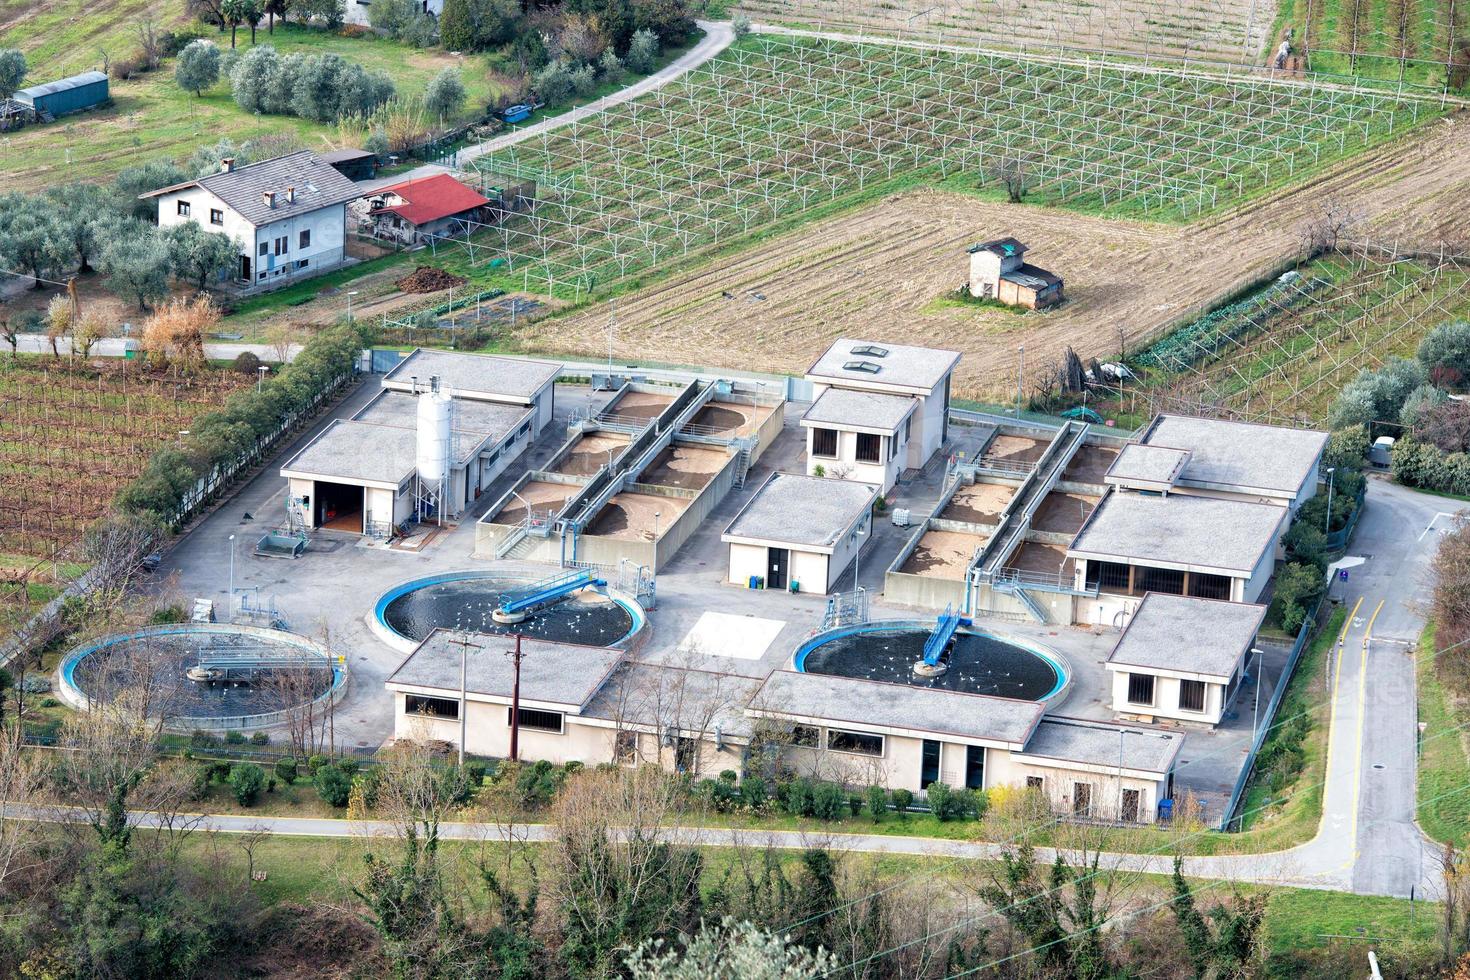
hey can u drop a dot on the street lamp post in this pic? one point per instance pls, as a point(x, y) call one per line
point(1256, 714)
point(857, 562)
point(1330, 471)
point(350, 293)
point(230, 601)
point(261, 380)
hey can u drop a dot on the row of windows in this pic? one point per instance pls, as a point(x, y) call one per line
point(1111, 576)
point(858, 743)
point(216, 216)
point(282, 245)
point(1141, 692)
point(448, 709)
point(869, 446)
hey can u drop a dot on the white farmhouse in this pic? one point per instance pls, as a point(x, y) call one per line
point(357, 10)
point(287, 215)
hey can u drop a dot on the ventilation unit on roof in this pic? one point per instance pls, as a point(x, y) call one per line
point(868, 367)
point(871, 350)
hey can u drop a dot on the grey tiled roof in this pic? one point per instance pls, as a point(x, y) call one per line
point(843, 701)
point(317, 185)
point(468, 375)
point(1097, 744)
point(565, 674)
point(1179, 529)
point(1240, 454)
point(865, 409)
point(802, 510)
point(902, 365)
point(1197, 636)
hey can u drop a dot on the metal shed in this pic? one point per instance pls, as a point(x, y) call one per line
point(72, 94)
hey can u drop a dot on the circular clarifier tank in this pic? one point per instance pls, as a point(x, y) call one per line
point(405, 615)
point(204, 676)
point(978, 661)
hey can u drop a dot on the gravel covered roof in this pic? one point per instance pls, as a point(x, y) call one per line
point(848, 408)
point(474, 422)
point(869, 704)
point(1240, 454)
point(1182, 633)
point(564, 674)
point(359, 451)
point(900, 364)
point(802, 510)
point(468, 375)
point(694, 700)
point(1137, 463)
point(1065, 740)
point(1179, 529)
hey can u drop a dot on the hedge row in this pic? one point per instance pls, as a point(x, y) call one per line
point(178, 478)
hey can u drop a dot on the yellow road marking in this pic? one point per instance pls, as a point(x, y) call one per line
point(1332, 714)
point(1362, 711)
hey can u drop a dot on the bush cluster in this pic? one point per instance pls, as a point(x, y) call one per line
point(830, 801)
point(321, 87)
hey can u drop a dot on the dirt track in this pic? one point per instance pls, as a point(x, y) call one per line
point(881, 272)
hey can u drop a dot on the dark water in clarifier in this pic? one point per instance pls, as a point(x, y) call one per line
point(467, 604)
point(159, 663)
point(978, 664)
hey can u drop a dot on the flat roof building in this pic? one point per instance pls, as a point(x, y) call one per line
point(877, 410)
point(367, 474)
point(1266, 463)
point(1182, 658)
point(799, 532)
point(481, 377)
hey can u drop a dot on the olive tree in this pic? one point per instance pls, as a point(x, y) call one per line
point(12, 71)
point(198, 66)
point(445, 94)
point(642, 51)
point(137, 265)
point(32, 236)
point(198, 255)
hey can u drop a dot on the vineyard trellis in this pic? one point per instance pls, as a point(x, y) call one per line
point(779, 125)
point(71, 436)
point(1315, 338)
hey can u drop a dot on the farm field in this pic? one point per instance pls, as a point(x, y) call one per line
point(62, 37)
point(778, 130)
point(1213, 30)
point(891, 262)
point(1283, 354)
point(152, 118)
point(71, 436)
point(1413, 41)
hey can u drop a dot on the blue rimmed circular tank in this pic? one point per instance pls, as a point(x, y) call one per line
point(406, 614)
point(977, 661)
point(211, 676)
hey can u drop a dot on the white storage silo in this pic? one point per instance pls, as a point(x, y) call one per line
point(434, 444)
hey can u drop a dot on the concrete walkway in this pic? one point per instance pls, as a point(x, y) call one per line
point(718, 36)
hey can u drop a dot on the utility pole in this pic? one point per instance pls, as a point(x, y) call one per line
point(465, 646)
point(515, 702)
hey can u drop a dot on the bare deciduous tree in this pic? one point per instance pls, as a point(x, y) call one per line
point(1013, 173)
point(1325, 230)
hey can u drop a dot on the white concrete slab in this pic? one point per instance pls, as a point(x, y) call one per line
point(724, 635)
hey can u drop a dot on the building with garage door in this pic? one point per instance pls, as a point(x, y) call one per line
point(799, 532)
point(421, 450)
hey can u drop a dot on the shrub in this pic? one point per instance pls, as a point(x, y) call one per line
point(247, 779)
point(941, 801)
point(286, 770)
point(367, 783)
point(1306, 544)
point(877, 803)
point(333, 785)
point(219, 771)
point(1297, 588)
point(260, 738)
point(247, 363)
point(797, 798)
point(829, 801)
point(584, 80)
point(553, 84)
point(902, 800)
point(475, 773)
point(316, 762)
point(753, 792)
point(741, 26)
point(642, 52)
point(234, 738)
point(199, 778)
point(349, 765)
point(201, 739)
point(610, 67)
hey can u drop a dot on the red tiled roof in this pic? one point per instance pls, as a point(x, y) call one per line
point(430, 198)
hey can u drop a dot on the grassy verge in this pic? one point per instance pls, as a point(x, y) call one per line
point(1442, 761)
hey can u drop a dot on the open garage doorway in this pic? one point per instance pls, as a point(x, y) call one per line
point(338, 507)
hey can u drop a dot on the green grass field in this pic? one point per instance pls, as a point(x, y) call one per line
point(1444, 814)
point(1394, 40)
point(152, 118)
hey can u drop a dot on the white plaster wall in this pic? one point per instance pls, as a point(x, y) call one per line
point(809, 570)
point(1004, 769)
point(304, 488)
point(884, 474)
point(984, 268)
point(746, 560)
point(1166, 699)
point(927, 434)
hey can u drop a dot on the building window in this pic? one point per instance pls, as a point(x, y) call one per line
point(283, 245)
point(541, 721)
point(216, 216)
point(1141, 689)
point(1108, 576)
point(261, 277)
point(857, 743)
point(1037, 783)
point(183, 209)
point(1191, 695)
point(1082, 799)
point(304, 240)
point(265, 249)
point(422, 704)
point(1168, 580)
point(1203, 585)
point(805, 735)
point(824, 443)
point(908, 428)
point(625, 747)
point(869, 448)
point(302, 263)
